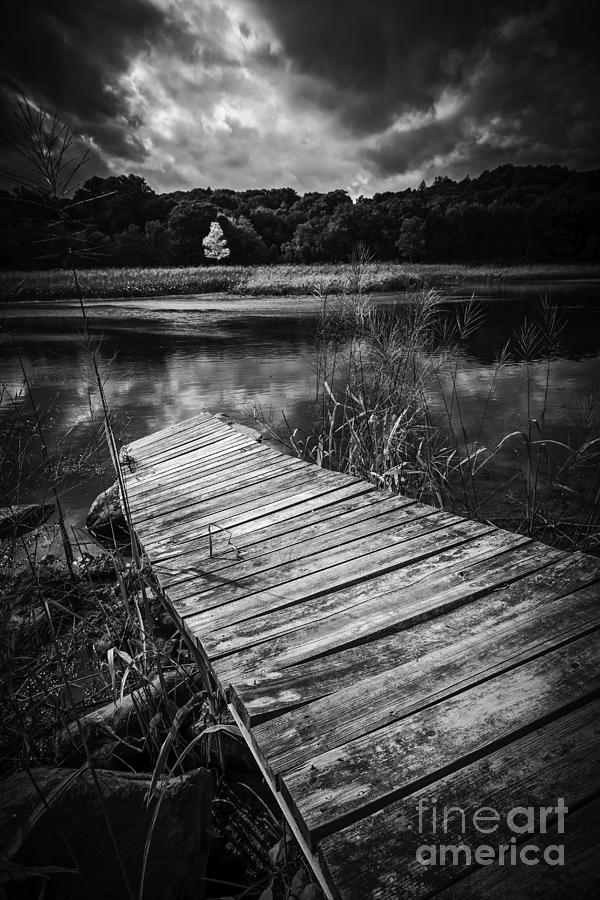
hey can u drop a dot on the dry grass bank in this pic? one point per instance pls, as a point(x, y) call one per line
point(274, 280)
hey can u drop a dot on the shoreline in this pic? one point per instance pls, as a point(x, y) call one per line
point(268, 281)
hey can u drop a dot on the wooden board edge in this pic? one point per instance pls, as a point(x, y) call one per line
point(325, 828)
point(313, 860)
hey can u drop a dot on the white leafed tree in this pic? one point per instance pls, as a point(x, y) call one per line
point(214, 244)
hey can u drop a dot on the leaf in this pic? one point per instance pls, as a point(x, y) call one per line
point(168, 743)
point(310, 892)
point(267, 894)
point(299, 882)
point(277, 854)
point(10, 871)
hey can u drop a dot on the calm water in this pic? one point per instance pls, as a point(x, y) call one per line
point(168, 358)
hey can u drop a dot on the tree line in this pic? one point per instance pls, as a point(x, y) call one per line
point(510, 215)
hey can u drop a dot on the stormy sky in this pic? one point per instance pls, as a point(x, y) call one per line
point(366, 95)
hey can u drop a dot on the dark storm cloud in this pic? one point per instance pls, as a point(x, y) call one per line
point(384, 57)
point(369, 94)
point(526, 73)
point(68, 56)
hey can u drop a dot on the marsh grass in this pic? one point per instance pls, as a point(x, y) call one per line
point(389, 407)
point(261, 280)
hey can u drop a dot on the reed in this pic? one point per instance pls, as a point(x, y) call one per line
point(389, 406)
point(263, 280)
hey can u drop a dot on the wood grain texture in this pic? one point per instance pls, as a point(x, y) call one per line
point(384, 698)
point(257, 517)
point(221, 627)
point(267, 683)
point(390, 526)
point(169, 447)
point(284, 523)
point(561, 759)
point(343, 785)
point(203, 460)
point(374, 651)
point(578, 878)
point(163, 437)
point(186, 483)
point(340, 610)
point(297, 538)
point(234, 511)
point(217, 498)
point(312, 631)
point(145, 478)
point(196, 454)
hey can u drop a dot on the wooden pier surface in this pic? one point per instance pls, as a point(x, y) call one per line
point(382, 657)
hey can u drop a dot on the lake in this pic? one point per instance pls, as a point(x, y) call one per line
point(167, 358)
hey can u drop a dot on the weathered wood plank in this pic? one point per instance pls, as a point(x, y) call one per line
point(167, 507)
point(245, 514)
point(578, 878)
point(282, 524)
point(347, 528)
point(197, 457)
point(375, 702)
point(328, 522)
point(394, 761)
point(207, 468)
point(180, 444)
point(286, 647)
point(251, 621)
point(199, 450)
point(177, 448)
point(561, 759)
point(179, 439)
point(326, 572)
point(271, 512)
point(143, 484)
point(165, 434)
point(211, 468)
point(391, 526)
point(191, 481)
point(267, 680)
point(252, 498)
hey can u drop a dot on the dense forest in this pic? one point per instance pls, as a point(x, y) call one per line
point(513, 214)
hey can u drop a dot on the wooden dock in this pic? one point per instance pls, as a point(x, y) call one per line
point(383, 659)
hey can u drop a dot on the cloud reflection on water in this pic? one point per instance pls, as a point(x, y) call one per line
point(170, 358)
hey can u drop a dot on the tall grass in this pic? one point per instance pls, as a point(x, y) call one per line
point(389, 406)
point(262, 280)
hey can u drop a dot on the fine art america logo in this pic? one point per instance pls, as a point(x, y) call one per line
point(486, 821)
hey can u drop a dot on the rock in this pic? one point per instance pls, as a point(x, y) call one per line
point(41, 554)
point(74, 832)
point(97, 567)
point(115, 727)
point(23, 517)
point(22, 626)
point(105, 520)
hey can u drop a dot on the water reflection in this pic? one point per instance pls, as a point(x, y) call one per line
point(166, 359)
